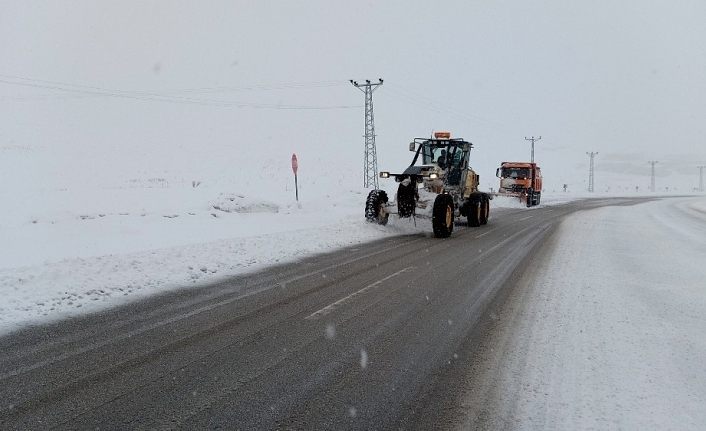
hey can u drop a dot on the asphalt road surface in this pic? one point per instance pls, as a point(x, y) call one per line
point(377, 336)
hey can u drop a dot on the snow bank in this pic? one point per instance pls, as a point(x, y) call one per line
point(241, 204)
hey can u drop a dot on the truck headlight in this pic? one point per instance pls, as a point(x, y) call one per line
point(433, 176)
point(384, 174)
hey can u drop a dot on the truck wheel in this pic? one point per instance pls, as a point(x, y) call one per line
point(375, 207)
point(406, 200)
point(486, 212)
point(442, 219)
point(475, 213)
point(539, 198)
point(530, 198)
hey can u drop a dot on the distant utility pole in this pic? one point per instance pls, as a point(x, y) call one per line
point(592, 154)
point(652, 179)
point(370, 158)
point(532, 139)
point(701, 178)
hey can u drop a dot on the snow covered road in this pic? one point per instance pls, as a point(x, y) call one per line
point(606, 332)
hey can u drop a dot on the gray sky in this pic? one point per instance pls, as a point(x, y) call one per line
point(625, 78)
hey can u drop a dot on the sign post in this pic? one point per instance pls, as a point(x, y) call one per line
point(295, 166)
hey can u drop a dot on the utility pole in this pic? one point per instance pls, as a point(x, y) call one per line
point(701, 178)
point(370, 158)
point(532, 139)
point(592, 154)
point(652, 179)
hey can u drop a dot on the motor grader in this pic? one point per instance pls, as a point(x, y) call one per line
point(439, 176)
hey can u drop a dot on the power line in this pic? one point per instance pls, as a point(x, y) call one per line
point(160, 97)
point(439, 107)
point(532, 139)
point(652, 179)
point(370, 160)
point(592, 154)
point(253, 87)
point(261, 87)
point(409, 99)
point(443, 108)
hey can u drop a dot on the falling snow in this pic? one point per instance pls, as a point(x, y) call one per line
point(363, 359)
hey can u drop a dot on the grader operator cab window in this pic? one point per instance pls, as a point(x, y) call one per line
point(439, 152)
point(431, 153)
point(456, 168)
point(458, 160)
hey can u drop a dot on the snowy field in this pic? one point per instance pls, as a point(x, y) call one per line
point(611, 325)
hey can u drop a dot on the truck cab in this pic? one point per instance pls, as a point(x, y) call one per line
point(520, 179)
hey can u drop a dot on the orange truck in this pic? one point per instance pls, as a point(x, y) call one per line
point(520, 179)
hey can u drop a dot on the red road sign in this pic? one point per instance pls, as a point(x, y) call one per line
point(295, 163)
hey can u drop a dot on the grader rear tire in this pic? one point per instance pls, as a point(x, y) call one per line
point(475, 213)
point(442, 219)
point(486, 211)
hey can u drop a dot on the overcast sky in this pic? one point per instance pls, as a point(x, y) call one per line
point(197, 83)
